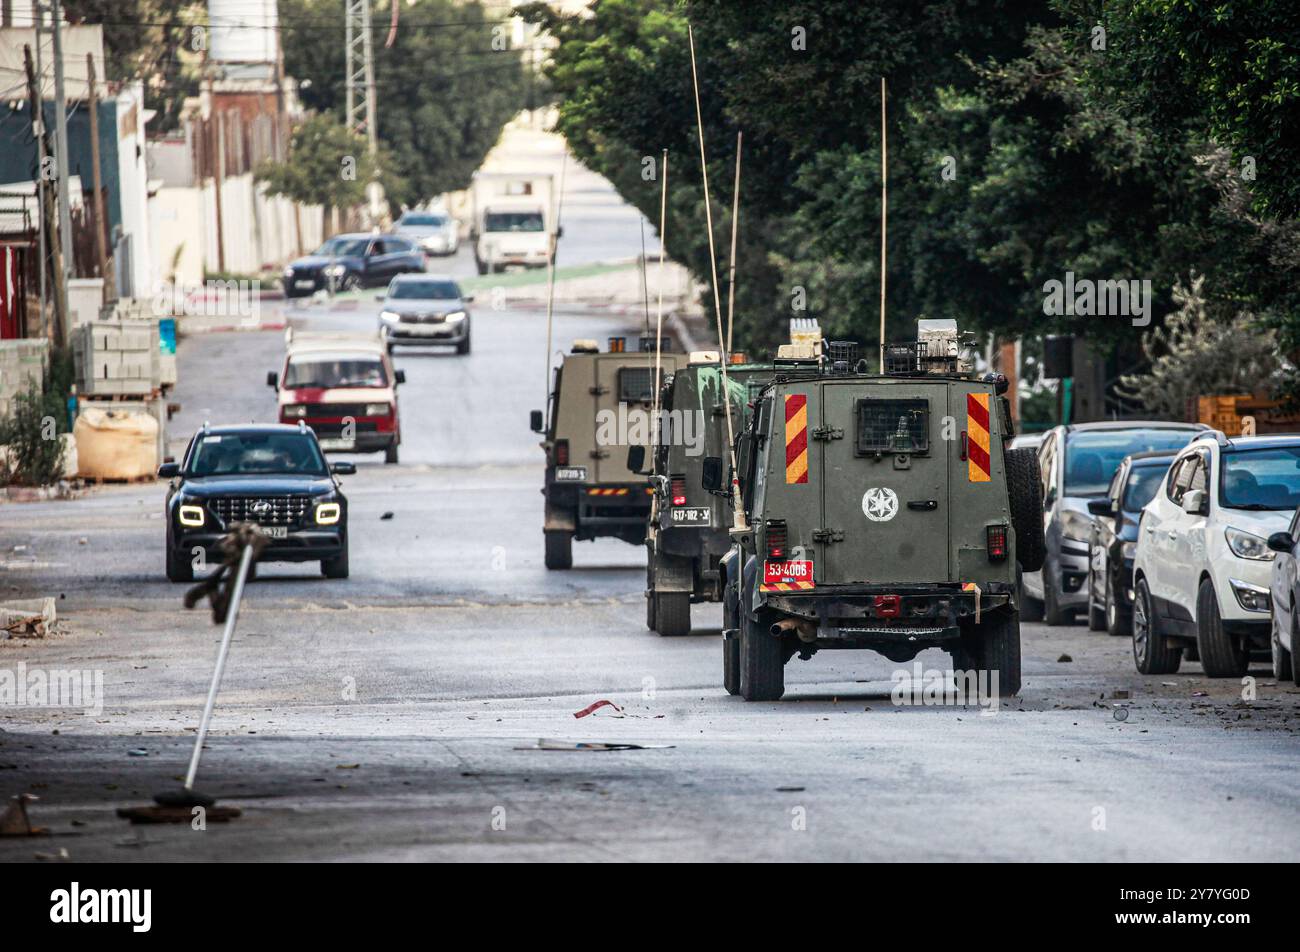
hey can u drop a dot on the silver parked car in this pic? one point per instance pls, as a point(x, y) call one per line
point(437, 233)
point(1076, 463)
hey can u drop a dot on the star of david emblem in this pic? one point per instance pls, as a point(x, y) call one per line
point(880, 505)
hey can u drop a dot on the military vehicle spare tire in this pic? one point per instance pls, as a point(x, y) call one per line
point(1025, 489)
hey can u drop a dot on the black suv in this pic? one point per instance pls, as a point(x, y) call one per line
point(274, 475)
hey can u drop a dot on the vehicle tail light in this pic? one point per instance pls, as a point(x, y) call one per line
point(679, 490)
point(561, 452)
point(775, 537)
point(888, 606)
point(997, 543)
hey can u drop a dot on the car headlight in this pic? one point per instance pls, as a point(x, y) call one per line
point(287, 272)
point(1246, 545)
point(1076, 526)
point(389, 316)
point(1129, 550)
point(295, 410)
point(377, 409)
point(455, 316)
point(191, 515)
point(328, 513)
point(336, 270)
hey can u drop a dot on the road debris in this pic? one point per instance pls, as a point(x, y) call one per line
point(622, 712)
point(1064, 659)
point(15, 822)
point(550, 743)
point(27, 618)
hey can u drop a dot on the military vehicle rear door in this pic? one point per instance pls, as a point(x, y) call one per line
point(625, 388)
point(883, 481)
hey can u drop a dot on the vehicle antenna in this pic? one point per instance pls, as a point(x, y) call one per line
point(884, 211)
point(659, 318)
point(738, 514)
point(645, 284)
point(550, 283)
point(735, 220)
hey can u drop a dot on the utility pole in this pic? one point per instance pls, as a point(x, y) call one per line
point(51, 329)
point(61, 146)
point(360, 66)
point(101, 250)
point(360, 101)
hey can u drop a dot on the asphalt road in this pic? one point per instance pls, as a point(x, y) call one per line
point(382, 717)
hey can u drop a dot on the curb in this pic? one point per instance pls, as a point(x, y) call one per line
point(20, 494)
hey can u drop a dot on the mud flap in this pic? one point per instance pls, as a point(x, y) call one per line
point(749, 584)
point(561, 520)
point(674, 574)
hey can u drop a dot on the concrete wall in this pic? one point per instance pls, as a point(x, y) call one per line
point(259, 232)
point(176, 224)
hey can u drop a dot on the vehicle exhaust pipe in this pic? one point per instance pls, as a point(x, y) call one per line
point(805, 629)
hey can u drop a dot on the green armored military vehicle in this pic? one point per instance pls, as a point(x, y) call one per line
point(882, 511)
point(600, 403)
point(687, 531)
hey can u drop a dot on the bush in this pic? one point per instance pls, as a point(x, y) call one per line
point(31, 431)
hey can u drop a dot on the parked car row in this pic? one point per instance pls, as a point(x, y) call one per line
point(1176, 536)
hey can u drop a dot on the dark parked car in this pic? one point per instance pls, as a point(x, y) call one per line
point(1114, 539)
point(1284, 587)
point(270, 474)
point(351, 262)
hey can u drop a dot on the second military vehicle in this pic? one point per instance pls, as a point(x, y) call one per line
point(600, 404)
point(687, 532)
point(882, 511)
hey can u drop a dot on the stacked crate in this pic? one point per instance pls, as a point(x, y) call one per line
point(21, 361)
point(117, 358)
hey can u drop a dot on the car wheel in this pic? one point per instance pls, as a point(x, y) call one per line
point(762, 662)
point(1151, 651)
point(1096, 613)
point(1295, 643)
point(336, 567)
point(1031, 609)
point(1119, 619)
point(994, 646)
point(350, 282)
point(1283, 666)
point(463, 346)
point(390, 454)
point(673, 613)
point(650, 602)
point(1222, 655)
point(1025, 494)
point(559, 549)
point(179, 566)
point(1053, 613)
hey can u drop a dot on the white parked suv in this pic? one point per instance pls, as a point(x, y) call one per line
point(1202, 569)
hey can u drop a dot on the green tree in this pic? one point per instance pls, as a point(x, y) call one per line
point(328, 165)
point(445, 87)
point(152, 41)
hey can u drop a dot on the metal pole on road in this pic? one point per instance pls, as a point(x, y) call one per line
point(232, 615)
